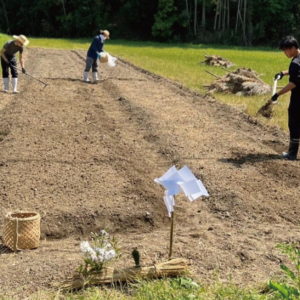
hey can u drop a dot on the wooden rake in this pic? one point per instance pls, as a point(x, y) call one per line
point(44, 83)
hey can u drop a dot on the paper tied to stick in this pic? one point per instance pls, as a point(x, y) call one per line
point(174, 181)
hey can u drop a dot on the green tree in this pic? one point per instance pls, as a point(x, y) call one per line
point(135, 18)
point(165, 19)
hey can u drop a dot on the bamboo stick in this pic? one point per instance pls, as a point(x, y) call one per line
point(212, 74)
point(171, 234)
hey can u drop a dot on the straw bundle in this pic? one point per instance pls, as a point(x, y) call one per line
point(171, 268)
point(21, 230)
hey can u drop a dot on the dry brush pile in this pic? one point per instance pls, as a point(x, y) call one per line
point(244, 82)
point(217, 61)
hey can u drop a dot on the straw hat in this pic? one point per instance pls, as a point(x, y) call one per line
point(105, 33)
point(22, 39)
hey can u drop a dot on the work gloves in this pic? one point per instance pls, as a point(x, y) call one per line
point(275, 97)
point(278, 76)
point(23, 71)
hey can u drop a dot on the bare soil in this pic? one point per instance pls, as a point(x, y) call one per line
point(85, 155)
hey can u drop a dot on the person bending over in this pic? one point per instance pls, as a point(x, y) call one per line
point(9, 62)
point(93, 54)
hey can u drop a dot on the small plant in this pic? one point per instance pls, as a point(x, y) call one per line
point(185, 282)
point(136, 257)
point(97, 253)
point(3, 134)
point(290, 289)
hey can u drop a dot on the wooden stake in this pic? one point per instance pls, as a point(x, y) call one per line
point(212, 74)
point(171, 235)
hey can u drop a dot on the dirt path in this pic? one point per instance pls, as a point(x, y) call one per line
point(85, 157)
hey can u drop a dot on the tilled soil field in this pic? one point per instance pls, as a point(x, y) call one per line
point(85, 156)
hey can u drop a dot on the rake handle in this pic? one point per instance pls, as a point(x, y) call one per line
point(44, 83)
point(274, 86)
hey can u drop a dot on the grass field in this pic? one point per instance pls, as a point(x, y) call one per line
point(181, 62)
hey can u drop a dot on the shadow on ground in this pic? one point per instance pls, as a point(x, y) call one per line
point(4, 249)
point(241, 159)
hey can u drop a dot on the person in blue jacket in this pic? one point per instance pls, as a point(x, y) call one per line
point(93, 54)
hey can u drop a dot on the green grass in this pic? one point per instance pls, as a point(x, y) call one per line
point(181, 62)
point(167, 289)
point(52, 43)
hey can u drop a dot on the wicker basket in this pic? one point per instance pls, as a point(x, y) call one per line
point(22, 230)
point(104, 58)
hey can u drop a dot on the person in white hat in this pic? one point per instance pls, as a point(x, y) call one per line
point(8, 61)
point(93, 54)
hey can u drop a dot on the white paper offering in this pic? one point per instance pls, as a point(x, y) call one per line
point(169, 181)
point(186, 174)
point(169, 202)
point(111, 61)
point(193, 189)
point(184, 180)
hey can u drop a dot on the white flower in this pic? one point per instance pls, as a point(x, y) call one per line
point(104, 252)
point(93, 256)
point(88, 250)
point(110, 254)
point(85, 247)
point(99, 254)
point(108, 246)
point(99, 251)
point(102, 255)
point(103, 232)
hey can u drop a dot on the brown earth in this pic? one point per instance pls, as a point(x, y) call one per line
point(85, 157)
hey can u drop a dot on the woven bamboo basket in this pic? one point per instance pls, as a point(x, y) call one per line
point(22, 230)
point(104, 59)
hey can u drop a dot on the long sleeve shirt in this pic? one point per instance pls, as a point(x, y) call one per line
point(96, 46)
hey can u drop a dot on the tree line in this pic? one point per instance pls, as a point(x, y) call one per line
point(246, 22)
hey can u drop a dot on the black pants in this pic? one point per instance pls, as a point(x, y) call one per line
point(294, 118)
point(5, 67)
point(91, 63)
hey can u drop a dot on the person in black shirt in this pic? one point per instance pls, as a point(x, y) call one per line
point(290, 46)
point(8, 61)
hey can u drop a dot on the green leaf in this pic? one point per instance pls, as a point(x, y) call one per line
point(279, 288)
point(288, 271)
point(293, 291)
point(187, 283)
